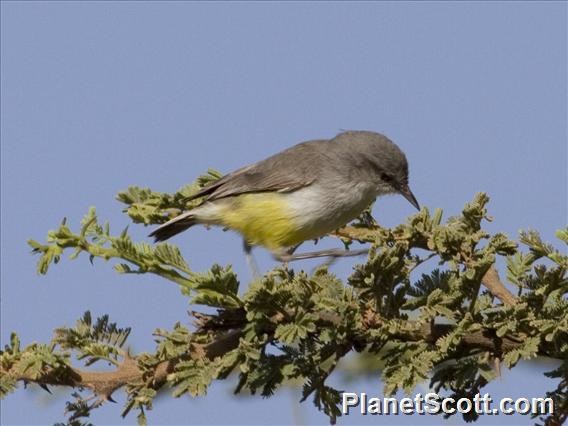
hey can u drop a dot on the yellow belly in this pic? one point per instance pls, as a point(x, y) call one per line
point(263, 219)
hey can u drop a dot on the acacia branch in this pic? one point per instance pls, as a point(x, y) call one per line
point(228, 333)
point(224, 331)
point(317, 314)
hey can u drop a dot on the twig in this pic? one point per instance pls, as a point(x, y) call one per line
point(493, 283)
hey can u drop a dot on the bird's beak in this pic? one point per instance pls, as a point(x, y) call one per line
point(407, 193)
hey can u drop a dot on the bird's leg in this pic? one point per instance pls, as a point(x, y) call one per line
point(333, 253)
point(250, 260)
point(326, 264)
point(289, 252)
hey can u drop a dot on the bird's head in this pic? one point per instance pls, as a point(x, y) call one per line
point(393, 178)
point(383, 161)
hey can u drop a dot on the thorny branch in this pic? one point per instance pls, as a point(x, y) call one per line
point(228, 332)
point(315, 319)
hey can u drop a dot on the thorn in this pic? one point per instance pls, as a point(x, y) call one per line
point(45, 388)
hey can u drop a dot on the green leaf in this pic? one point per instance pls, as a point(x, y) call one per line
point(94, 341)
point(193, 377)
point(218, 288)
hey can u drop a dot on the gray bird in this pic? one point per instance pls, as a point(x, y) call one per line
point(301, 193)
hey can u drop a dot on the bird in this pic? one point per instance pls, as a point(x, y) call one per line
point(299, 194)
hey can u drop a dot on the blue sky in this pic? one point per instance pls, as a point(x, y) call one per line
point(101, 95)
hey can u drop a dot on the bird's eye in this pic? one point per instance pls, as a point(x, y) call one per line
point(387, 178)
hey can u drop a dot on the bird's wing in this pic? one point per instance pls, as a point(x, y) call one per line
point(286, 171)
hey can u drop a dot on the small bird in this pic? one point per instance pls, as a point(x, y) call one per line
point(301, 193)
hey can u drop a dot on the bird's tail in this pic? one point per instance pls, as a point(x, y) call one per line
point(175, 226)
